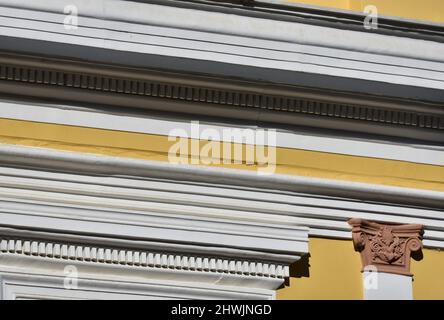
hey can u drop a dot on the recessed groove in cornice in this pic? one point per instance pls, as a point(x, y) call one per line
point(177, 91)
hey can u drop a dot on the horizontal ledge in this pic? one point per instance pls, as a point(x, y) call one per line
point(143, 260)
point(134, 244)
point(331, 116)
point(166, 13)
point(114, 119)
point(93, 282)
point(91, 163)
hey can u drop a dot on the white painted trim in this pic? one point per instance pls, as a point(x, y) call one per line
point(118, 268)
point(50, 200)
point(245, 27)
point(142, 260)
point(101, 263)
point(149, 245)
point(99, 164)
point(25, 283)
point(229, 232)
point(387, 286)
point(70, 115)
point(241, 40)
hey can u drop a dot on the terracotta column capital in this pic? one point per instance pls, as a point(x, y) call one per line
point(388, 247)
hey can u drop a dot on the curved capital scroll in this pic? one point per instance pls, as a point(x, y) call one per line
point(388, 247)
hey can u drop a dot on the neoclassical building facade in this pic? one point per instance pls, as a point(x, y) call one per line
point(221, 149)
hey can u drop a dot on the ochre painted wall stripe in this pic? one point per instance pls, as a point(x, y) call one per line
point(333, 271)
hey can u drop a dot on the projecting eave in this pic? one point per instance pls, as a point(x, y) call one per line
point(235, 45)
point(383, 83)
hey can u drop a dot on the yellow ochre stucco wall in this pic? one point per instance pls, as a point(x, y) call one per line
point(427, 10)
point(288, 161)
point(428, 275)
point(334, 273)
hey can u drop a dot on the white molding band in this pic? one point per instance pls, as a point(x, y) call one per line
point(142, 259)
point(20, 285)
point(99, 164)
point(74, 116)
point(177, 32)
point(133, 259)
point(46, 281)
point(216, 23)
point(207, 202)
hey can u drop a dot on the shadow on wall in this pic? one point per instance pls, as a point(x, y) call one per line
point(299, 269)
point(332, 270)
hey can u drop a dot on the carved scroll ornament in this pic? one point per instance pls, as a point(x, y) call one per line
point(388, 247)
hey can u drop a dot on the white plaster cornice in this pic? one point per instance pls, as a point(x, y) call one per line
point(92, 163)
point(33, 265)
point(48, 284)
point(217, 24)
point(213, 36)
point(158, 265)
point(210, 205)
